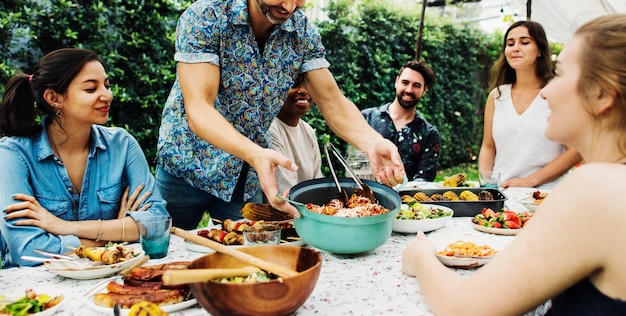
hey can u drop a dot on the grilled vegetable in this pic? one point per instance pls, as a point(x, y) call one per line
point(98, 254)
point(146, 309)
point(263, 211)
point(454, 181)
point(468, 195)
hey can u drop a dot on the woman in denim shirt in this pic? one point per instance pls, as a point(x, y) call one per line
point(66, 180)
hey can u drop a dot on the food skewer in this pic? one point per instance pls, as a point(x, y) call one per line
point(265, 265)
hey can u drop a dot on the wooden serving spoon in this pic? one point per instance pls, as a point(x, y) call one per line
point(174, 277)
point(265, 265)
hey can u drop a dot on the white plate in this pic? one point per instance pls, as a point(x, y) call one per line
point(412, 226)
point(90, 272)
point(463, 263)
point(497, 231)
point(47, 312)
point(124, 311)
point(471, 184)
point(467, 263)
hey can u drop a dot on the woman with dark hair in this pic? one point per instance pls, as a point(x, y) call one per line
point(66, 179)
point(515, 116)
point(571, 251)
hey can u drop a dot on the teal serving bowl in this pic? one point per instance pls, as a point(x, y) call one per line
point(342, 235)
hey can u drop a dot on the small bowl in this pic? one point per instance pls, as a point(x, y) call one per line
point(412, 226)
point(343, 235)
point(267, 298)
point(266, 234)
point(530, 203)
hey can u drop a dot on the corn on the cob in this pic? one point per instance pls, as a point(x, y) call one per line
point(454, 181)
point(450, 196)
point(468, 195)
point(146, 309)
point(259, 212)
point(421, 196)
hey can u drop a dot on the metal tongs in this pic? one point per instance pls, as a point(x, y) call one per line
point(362, 188)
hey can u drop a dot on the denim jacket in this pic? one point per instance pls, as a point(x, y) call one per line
point(29, 166)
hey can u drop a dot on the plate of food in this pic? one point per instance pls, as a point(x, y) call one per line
point(533, 201)
point(144, 284)
point(96, 262)
point(465, 254)
point(458, 180)
point(505, 222)
point(414, 216)
point(45, 304)
point(230, 233)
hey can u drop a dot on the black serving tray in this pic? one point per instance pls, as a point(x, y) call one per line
point(463, 208)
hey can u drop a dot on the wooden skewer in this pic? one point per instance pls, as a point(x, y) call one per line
point(265, 265)
point(174, 277)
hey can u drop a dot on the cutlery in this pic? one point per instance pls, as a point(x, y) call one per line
point(42, 259)
point(175, 277)
point(53, 255)
point(294, 203)
point(116, 310)
point(265, 265)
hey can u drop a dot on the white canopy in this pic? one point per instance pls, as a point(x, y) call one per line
point(560, 18)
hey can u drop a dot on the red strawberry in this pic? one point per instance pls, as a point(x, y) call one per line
point(511, 224)
point(488, 213)
point(525, 220)
point(497, 225)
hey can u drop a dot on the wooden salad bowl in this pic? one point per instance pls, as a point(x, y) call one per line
point(275, 297)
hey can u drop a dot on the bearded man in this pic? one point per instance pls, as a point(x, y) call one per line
point(417, 140)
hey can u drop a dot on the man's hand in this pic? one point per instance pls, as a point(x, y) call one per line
point(386, 163)
point(266, 162)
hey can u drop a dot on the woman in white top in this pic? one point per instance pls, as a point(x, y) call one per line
point(516, 117)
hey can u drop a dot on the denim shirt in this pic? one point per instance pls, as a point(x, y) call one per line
point(418, 142)
point(29, 166)
point(253, 86)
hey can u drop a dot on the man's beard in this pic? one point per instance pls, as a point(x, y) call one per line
point(267, 11)
point(407, 104)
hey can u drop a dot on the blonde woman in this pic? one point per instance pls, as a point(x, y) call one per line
point(572, 250)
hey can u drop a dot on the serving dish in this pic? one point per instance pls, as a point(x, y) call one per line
point(90, 271)
point(463, 208)
point(276, 297)
point(424, 225)
point(124, 311)
point(496, 231)
point(344, 235)
point(470, 184)
point(48, 312)
point(530, 203)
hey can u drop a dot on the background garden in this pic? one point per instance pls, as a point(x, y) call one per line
point(366, 41)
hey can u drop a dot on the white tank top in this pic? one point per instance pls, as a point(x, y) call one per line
point(521, 145)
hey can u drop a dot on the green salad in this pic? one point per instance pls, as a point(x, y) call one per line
point(415, 210)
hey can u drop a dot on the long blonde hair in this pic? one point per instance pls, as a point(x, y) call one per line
point(603, 66)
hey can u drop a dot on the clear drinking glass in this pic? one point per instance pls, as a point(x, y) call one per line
point(154, 235)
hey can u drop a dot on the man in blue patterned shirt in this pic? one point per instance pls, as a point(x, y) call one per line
point(236, 61)
point(418, 141)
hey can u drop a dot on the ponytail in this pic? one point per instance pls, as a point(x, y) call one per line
point(18, 115)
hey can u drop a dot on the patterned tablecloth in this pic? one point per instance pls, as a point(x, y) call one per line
point(366, 284)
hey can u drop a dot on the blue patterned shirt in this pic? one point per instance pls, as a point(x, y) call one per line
point(418, 142)
point(253, 86)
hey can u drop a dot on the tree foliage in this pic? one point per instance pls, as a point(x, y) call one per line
point(367, 41)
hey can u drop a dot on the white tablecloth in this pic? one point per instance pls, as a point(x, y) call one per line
point(366, 284)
